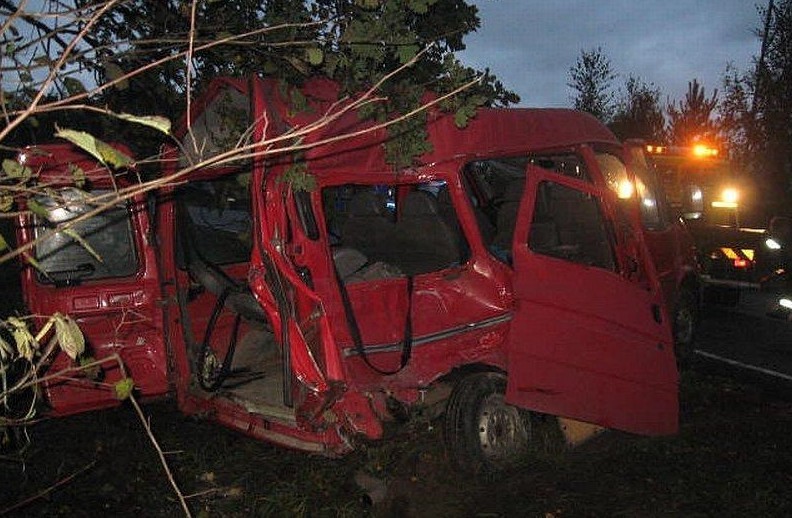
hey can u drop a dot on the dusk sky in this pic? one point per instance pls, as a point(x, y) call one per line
point(531, 45)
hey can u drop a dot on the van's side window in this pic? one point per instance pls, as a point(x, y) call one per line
point(495, 187)
point(568, 224)
point(655, 214)
point(392, 230)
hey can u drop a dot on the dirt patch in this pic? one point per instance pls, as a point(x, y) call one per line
point(731, 457)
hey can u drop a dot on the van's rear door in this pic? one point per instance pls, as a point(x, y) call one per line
point(109, 285)
point(589, 339)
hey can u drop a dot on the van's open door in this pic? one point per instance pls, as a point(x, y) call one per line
point(589, 341)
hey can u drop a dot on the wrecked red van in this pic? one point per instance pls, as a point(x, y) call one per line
point(499, 275)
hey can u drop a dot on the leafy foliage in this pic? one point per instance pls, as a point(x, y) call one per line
point(354, 42)
point(692, 119)
point(767, 122)
point(638, 112)
point(591, 78)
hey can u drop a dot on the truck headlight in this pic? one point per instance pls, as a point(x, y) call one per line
point(728, 199)
point(772, 244)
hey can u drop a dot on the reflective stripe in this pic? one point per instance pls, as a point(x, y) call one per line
point(729, 253)
point(433, 337)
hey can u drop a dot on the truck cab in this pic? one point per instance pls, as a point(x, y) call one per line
point(720, 209)
point(301, 298)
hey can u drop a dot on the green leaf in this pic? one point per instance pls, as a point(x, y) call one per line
point(367, 4)
point(73, 86)
point(42, 61)
point(298, 177)
point(407, 52)
point(419, 6)
point(78, 175)
point(6, 201)
point(69, 336)
point(103, 152)
point(37, 208)
point(115, 72)
point(123, 388)
point(3, 244)
point(161, 124)
point(463, 116)
point(14, 169)
point(314, 56)
point(85, 244)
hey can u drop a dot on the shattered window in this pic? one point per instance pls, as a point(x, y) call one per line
point(215, 220)
point(99, 247)
point(392, 230)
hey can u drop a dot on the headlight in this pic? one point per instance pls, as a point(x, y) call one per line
point(772, 244)
point(625, 190)
point(730, 195)
point(728, 199)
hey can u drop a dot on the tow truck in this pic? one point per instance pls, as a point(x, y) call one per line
point(500, 276)
point(714, 201)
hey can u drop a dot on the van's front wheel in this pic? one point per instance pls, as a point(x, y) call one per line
point(482, 432)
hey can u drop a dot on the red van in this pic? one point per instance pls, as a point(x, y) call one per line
point(301, 298)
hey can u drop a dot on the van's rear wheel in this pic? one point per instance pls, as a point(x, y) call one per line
point(482, 432)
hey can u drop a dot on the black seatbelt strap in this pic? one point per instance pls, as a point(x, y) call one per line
point(357, 339)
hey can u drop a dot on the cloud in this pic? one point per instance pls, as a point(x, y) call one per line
point(531, 46)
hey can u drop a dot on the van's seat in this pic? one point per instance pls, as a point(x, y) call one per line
point(367, 227)
point(425, 242)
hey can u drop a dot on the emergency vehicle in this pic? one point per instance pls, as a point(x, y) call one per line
point(720, 210)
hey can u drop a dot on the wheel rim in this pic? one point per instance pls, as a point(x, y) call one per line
point(502, 430)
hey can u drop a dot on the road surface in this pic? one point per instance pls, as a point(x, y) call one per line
point(746, 339)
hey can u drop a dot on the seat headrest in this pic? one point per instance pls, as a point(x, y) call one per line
point(366, 203)
point(419, 203)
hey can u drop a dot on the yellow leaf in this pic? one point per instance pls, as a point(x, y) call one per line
point(25, 342)
point(101, 151)
point(69, 336)
point(6, 351)
point(161, 124)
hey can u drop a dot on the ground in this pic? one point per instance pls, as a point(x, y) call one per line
point(732, 457)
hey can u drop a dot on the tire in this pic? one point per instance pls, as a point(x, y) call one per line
point(686, 316)
point(482, 433)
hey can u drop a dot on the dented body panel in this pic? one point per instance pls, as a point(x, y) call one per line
point(301, 316)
